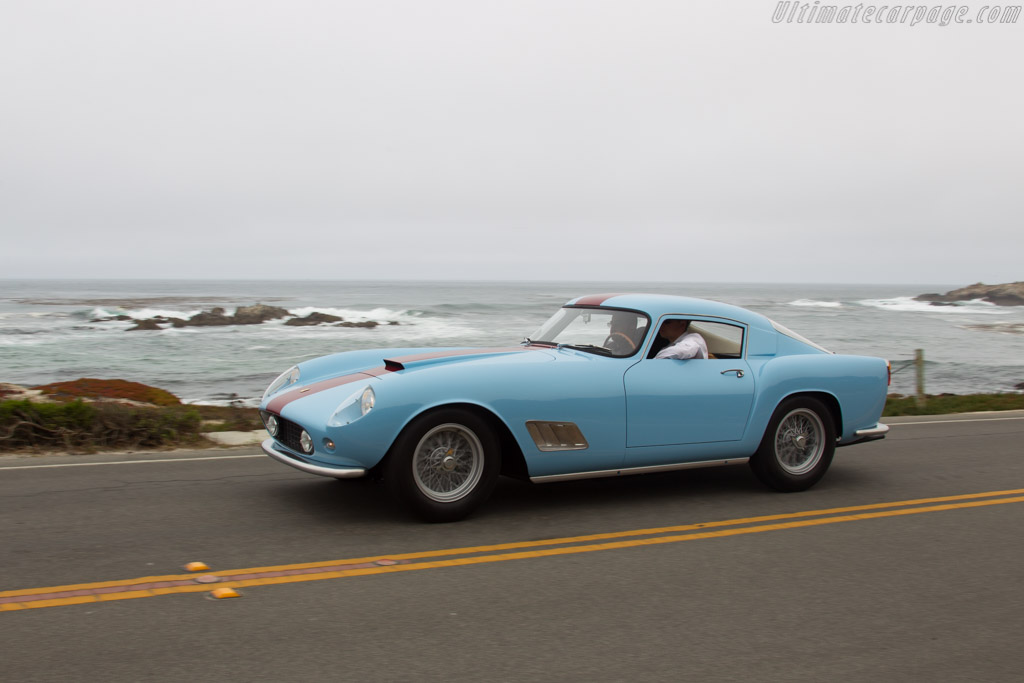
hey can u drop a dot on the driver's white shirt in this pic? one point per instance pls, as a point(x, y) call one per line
point(689, 345)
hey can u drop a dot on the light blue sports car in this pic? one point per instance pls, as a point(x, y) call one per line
point(583, 396)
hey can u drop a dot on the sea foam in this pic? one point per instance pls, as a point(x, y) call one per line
point(908, 304)
point(812, 303)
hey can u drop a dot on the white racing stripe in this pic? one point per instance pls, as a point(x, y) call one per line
point(128, 462)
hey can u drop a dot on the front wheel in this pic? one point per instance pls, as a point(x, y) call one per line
point(797, 447)
point(444, 465)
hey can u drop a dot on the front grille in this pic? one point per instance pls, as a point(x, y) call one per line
point(288, 433)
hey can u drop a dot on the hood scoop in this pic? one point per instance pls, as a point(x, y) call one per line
point(402, 362)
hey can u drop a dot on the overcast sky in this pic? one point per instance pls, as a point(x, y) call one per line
point(468, 139)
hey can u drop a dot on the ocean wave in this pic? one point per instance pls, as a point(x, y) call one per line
point(812, 303)
point(27, 340)
point(252, 402)
point(908, 304)
point(1003, 328)
point(18, 330)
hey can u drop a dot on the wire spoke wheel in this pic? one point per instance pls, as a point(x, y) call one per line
point(800, 441)
point(448, 462)
point(798, 444)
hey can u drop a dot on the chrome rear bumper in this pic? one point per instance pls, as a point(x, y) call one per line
point(870, 434)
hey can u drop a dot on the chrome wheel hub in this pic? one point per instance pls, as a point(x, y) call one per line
point(800, 441)
point(448, 463)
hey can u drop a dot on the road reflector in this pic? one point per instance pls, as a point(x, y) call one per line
point(196, 567)
point(225, 592)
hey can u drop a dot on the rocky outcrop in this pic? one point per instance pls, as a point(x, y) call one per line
point(313, 319)
point(259, 313)
point(366, 323)
point(148, 324)
point(1011, 294)
point(244, 315)
point(209, 318)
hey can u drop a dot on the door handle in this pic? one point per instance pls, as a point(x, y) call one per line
point(739, 373)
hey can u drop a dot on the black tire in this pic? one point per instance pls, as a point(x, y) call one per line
point(443, 465)
point(797, 446)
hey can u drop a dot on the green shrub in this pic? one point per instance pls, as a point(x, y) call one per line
point(78, 426)
point(229, 418)
point(944, 404)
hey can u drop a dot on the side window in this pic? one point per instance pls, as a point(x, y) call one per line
point(724, 340)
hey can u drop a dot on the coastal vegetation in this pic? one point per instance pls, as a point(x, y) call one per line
point(945, 404)
point(77, 426)
point(89, 415)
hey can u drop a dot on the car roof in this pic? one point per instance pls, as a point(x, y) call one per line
point(657, 305)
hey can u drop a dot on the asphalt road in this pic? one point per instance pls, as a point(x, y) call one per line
point(700, 575)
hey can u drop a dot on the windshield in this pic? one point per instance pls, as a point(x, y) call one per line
point(604, 331)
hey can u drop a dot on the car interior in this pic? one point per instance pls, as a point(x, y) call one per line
point(723, 340)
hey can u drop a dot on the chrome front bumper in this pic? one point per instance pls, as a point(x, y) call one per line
point(299, 463)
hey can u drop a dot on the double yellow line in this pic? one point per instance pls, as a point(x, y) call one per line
point(145, 587)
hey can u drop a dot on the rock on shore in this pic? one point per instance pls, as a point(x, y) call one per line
point(1010, 294)
point(313, 319)
point(244, 315)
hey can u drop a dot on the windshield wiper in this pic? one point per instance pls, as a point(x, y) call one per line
point(530, 342)
point(589, 348)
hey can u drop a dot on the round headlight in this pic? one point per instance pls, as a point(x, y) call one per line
point(367, 400)
point(272, 425)
point(306, 441)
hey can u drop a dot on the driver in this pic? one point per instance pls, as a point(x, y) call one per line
point(681, 344)
point(620, 337)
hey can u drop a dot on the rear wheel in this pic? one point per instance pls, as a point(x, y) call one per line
point(797, 447)
point(444, 465)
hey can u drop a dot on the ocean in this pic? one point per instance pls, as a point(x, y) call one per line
point(55, 330)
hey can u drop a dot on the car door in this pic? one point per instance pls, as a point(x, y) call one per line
point(670, 402)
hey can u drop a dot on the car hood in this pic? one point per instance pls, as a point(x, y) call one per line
point(326, 373)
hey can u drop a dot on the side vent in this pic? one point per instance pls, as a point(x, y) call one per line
point(556, 436)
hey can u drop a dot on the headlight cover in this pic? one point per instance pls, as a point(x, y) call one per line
point(272, 426)
point(284, 380)
point(353, 407)
point(367, 400)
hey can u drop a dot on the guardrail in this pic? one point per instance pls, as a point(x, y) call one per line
point(918, 364)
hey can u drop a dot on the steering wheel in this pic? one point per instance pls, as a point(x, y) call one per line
point(619, 344)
